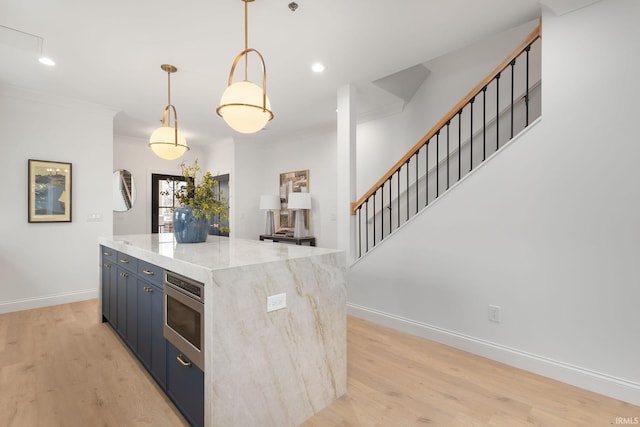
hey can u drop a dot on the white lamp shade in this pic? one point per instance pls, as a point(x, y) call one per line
point(299, 201)
point(162, 143)
point(241, 107)
point(269, 202)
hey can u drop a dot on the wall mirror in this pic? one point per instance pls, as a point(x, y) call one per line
point(124, 190)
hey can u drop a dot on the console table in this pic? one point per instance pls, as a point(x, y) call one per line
point(297, 240)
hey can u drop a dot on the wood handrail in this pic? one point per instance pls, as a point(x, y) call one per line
point(535, 34)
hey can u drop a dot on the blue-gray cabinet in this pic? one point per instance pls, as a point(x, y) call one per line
point(133, 304)
point(108, 277)
point(151, 342)
point(185, 386)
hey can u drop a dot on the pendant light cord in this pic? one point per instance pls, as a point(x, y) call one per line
point(169, 92)
point(246, 40)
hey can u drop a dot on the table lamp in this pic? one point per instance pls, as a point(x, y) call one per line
point(298, 202)
point(269, 203)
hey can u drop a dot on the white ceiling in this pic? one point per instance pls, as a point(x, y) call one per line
point(109, 53)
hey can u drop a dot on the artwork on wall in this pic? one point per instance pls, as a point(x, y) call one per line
point(292, 182)
point(49, 191)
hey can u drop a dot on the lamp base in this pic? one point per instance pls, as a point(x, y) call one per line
point(299, 230)
point(269, 226)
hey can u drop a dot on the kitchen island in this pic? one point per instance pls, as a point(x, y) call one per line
point(261, 368)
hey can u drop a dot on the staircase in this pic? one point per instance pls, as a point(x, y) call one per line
point(503, 104)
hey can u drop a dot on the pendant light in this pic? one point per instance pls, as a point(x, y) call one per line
point(167, 142)
point(244, 105)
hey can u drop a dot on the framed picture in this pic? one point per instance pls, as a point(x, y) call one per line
point(292, 182)
point(49, 191)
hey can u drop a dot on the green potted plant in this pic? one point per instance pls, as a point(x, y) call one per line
point(200, 201)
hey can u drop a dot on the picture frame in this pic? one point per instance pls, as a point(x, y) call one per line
point(294, 181)
point(49, 191)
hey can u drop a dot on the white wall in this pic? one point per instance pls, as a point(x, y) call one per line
point(50, 263)
point(547, 230)
point(258, 165)
point(134, 155)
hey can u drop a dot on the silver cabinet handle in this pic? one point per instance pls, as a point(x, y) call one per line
point(124, 275)
point(182, 362)
point(124, 261)
point(148, 272)
point(106, 253)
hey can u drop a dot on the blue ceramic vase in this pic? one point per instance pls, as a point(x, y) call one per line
point(189, 229)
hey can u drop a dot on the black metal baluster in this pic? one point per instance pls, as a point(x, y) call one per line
point(374, 217)
point(398, 171)
point(526, 95)
point(448, 123)
point(497, 111)
point(382, 212)
point(426, 178)
point(473, 100)
point(459, 141)
point(390, 209)
point(484, 123)
point(417, 155)
point(437, 163)
point(513, 64)
point(366, 224)
point(407, 189)
point(359, 231)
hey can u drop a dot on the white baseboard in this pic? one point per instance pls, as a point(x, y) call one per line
point(607, 385)
point(48, 300)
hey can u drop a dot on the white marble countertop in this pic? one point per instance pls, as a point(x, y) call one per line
point(198, 260)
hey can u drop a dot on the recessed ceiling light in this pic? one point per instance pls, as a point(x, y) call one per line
point(317, 67)
point(46, 61)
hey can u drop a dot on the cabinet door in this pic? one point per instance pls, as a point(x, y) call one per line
point(126, 306)
point(144, 323)
point(124, 277)
point(113, 296)
point(105, 283)
point(158, 342)
point(185, 386)
point(132, 313)
point(151, 342)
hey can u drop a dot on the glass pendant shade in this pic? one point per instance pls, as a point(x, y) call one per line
point(163, 143)
point(244, 105)
point(241, 107)
point(167, 142)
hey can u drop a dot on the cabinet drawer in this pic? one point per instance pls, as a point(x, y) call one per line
point(108, 254)
point(150, 272)
point(128, 262)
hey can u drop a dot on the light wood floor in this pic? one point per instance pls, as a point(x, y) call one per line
point(60, 367)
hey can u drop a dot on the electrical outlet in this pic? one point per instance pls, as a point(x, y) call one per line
point(94, 217)
point(494, 313)
point(276, 302)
